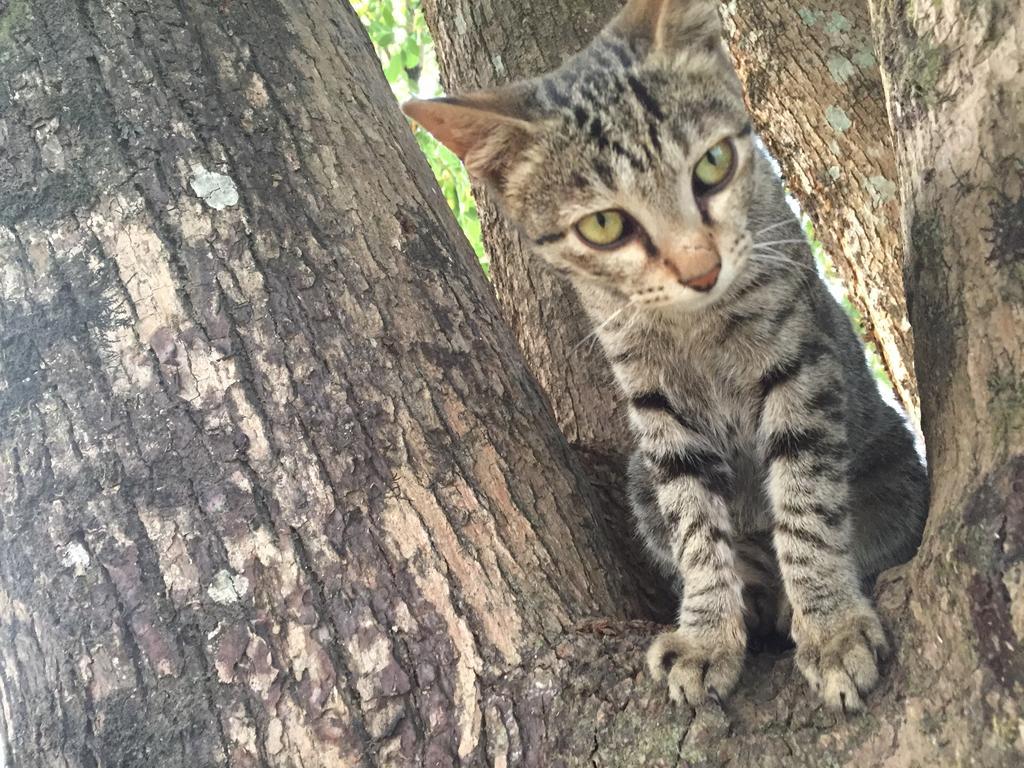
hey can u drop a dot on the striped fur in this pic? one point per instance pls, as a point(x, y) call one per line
point(769, 476)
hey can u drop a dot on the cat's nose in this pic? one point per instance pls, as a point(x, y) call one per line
point(704, 282)
point(695, 263)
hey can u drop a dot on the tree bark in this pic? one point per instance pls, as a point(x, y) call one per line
point(275, 485)
point(276, 489)
point(954, 81)
point(802, 63)
point(486, 44)
point(815, 92)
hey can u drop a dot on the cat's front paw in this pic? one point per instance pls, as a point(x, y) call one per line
point(697, 668)
point(839, 656)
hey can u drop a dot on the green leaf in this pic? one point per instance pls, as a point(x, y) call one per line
point(393, 69)
point(402, 40)
point(411, 54)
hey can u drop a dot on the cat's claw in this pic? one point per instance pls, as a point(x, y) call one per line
point(696, 671)
point(840, 659)
point(714, 695)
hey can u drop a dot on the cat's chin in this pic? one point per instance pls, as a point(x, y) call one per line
point(690, 301)
point(683, 303)
point(691, 304)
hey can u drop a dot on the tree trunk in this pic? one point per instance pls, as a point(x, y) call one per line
point(954, 77)
point(815, 91)
point(484, 44)
point(805, 67)
point(275, 488)
point(275, 485)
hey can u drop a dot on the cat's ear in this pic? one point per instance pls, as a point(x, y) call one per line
point(488, 130)
point(669, 25)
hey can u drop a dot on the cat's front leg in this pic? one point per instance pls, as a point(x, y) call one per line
point(704, 655)
point(838, 635)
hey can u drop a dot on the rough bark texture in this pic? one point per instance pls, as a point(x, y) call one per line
point(954, 76)
point(807, 68)
point(275, 485)
point(485, 44)
point(275, 488)
point(815, 91)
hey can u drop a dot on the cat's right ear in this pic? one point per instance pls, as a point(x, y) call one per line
point(487, 130)
point(668, 25)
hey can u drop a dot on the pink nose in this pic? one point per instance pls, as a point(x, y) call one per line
point(705, 282)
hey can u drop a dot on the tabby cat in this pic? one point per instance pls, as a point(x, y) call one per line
point(769, 477)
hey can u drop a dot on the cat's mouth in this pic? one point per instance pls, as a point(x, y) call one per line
point(687, 294)
point(706, 281)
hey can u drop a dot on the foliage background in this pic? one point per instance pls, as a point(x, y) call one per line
point(406, 51)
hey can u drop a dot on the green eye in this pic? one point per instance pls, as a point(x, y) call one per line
point(714, 169)
point(605, 228)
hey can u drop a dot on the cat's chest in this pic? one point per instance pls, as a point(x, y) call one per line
point(720, 400)
point(706, 387)
point(716, 397)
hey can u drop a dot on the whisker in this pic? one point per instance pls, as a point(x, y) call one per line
point(592, 336)
point(788, 255)
point(781, 242)
point(782, 255)
point(777, 224)
point(627, 326)
point(774, 257)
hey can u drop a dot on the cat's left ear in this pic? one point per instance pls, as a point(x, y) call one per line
point(669, 25)
point(488, 130)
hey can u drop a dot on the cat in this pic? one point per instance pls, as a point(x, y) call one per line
point(769, 476)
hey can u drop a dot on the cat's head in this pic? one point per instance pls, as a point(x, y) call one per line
point(632, 165)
